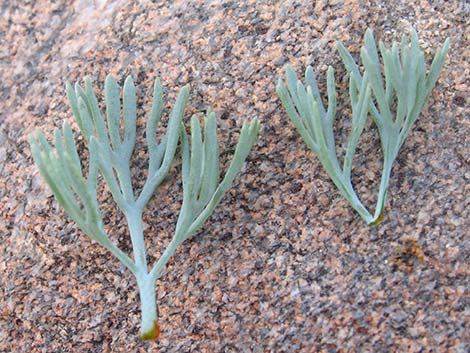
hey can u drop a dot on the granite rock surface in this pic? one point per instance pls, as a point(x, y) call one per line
point(284, 264)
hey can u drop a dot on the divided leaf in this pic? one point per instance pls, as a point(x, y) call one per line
point(406, 87)
point(110, 151)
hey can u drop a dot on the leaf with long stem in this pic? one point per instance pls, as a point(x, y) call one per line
point(110, 156)
point(403, 78)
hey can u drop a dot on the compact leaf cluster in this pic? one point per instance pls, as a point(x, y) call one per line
point(110, 151)
point(406, 90)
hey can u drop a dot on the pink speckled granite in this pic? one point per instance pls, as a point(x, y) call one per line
point(284, 264)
